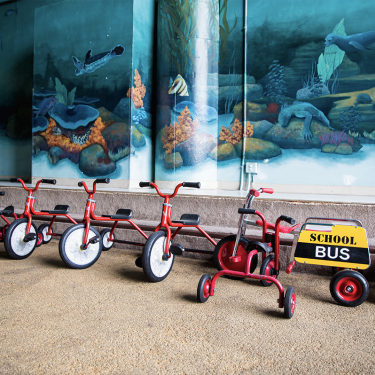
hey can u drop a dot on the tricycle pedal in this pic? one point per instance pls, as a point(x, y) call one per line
point(235, 259)
point(176, 249)
point(94, 240)
point(29, 237)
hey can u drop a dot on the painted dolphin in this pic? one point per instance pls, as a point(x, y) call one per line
point(351, 43)
point(302, 110)
point(94, 62)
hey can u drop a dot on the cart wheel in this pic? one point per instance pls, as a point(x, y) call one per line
point(70, 247)
point(289, 302)
point(13, 240)
point(43, 228)
point(224, 250)
point(267, 268)
point(349, 288)
point(39, 239)
point(105, 236)
point(204, 286)
point(155, 268)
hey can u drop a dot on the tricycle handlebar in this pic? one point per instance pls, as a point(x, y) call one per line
point(246, 211)
point(144, 184)
point(52, 182)
point(103, 180)
point(2, 193)
point(288, 219)
point(196, 185)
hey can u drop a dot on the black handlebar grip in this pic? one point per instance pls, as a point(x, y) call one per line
point(52, 182)
point(80, 184)
point(196, 185)
point(144, 184)
point(103, 180)
point(13, 179)
point(2, 193)
point(246, 211)
point(288, 219)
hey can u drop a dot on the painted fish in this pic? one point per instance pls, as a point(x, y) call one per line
point(46, 105)
point(178, 86)
point(94, 62)
point(9, 12)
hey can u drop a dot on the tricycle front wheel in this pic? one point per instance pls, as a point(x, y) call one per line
point(14, 237)
point(349, 288)
point(71, 251)
point(224, 250)
point(154, 266)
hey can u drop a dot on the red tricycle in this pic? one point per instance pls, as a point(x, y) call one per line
point(236, 256)
point(158, 253)
point(81, 245)
point(7, 211)
point(22, 237)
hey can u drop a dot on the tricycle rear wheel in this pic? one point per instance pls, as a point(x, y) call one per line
point(204, 286)
point(289, 302)
point(267, 268)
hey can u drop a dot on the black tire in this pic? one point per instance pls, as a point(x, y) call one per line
point(224, 249)
point(267, 268)
point(70, 247)
point(13, 239)
point(43, 228)
point(39, 239)
point(204, 286)
point(349, 288)
point(289, 302)
point(104, 233)
point(155, 268)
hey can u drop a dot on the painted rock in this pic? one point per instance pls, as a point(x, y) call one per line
point(39, 144)
point(292, 135)
point(225, 151)
point(117, 137)
point(55, 154)
point(138, 140)
point(197, 148)
point(257, 149)
point(344, 149)
point(94, 162)
point(173, 160)
point(329, 148)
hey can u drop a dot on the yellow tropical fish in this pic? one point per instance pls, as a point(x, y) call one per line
point(178, 86)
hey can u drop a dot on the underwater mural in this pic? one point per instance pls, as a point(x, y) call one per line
point(294, 94)
point(89, 113)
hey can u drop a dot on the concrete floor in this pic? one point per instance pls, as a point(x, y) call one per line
point(109, 320)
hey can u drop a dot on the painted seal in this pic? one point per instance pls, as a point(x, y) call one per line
point(351, 43)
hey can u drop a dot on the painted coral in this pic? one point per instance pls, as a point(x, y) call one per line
point(272, 108)
point(71, 149)
point(181, 131)
point(138, 92)
point(335, 138)
point(238, 133)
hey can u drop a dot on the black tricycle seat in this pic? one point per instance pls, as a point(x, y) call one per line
point(60, 209)
point(188, 219)
point(7, 211)
point(260, 246)
point(121, 214)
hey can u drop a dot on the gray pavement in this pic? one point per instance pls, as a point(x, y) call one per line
point(109, 320)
